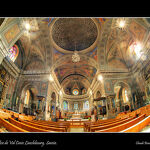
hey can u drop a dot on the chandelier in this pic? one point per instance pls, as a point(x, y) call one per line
point(75, 56)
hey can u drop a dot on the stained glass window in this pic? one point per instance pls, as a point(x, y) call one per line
point(27, 95)
point(75, 105)
point(13, 52)
point(65, 105)
point(75, 92)
point(125, 95)
point(86, 105)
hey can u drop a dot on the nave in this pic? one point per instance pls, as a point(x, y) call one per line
point(74, 75)
point(135, 121)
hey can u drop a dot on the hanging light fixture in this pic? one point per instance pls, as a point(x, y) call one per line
point(75, 56)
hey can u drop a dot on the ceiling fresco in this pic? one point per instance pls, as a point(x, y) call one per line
point(85, 70)
point(93, 54)
point(79, 34)
point(74, 33)
point(118, 43)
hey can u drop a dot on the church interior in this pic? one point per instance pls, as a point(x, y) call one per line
point(74, 74)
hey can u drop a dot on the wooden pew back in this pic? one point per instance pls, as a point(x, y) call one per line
point(123, 126)
point(101, 127)
point(139, 126)
point(45, 127)
point(59, 125)
point(10, 127)
point(26, 127)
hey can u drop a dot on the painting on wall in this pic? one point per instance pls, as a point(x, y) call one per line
point(44, 87)
point(12, 33)
point(137, 30)
point(108, 86)
point(93, 54)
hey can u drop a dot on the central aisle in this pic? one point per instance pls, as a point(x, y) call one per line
point(76, 129)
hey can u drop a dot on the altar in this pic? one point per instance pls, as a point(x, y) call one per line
point(76, 116)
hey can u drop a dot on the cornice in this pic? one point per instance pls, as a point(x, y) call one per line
point(11, 68)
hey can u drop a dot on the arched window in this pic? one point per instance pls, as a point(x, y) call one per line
point(75, 92)
point(125, 95)
point(75, 105)
point(65, 105)
point(13, 52)
point(86, 105)
point(27, 95)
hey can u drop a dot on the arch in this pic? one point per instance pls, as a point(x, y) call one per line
point(91, 62)
point(98, 94)
point(53, 96)
point(28, 99)
point(123, 94)
point(119, 83)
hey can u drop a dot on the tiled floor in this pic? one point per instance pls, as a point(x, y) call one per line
point(76, 130)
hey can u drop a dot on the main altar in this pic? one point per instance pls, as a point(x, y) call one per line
point(76, 116)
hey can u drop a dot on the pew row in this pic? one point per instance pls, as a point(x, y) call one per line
point(11, 127)
point(88, 126)
point(105, 126)
point(52, 124)
point(27, 127)
point(89, 123)
point(139, 126)
point(123, 126)
point(50, 128)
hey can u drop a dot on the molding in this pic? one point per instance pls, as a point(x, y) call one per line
point(11, 68)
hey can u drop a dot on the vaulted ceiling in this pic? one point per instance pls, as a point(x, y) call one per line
point(53, 41)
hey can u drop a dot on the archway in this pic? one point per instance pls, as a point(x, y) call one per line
point(122, 96)
point(28, 104)
point(53, 105)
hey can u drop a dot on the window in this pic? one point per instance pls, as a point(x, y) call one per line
point(75, 105)
point(65, 105)
point(125, 95)
point(75, 92)
point(86, 105)
point(27, 95)
point(13, 52)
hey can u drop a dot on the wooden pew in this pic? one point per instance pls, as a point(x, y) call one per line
point(10, 127)
point(62, 129)
point(139, 126)
point(102, 124)
point(27, 127)
point(86, 124)
point(123, 126)
point(53, 124)
point(101, 127)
